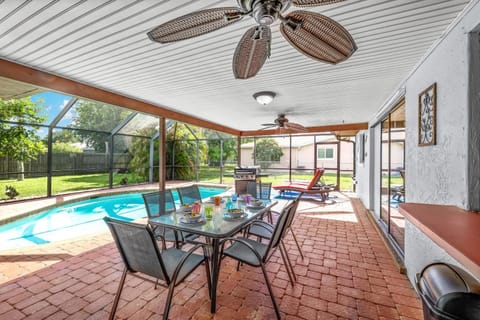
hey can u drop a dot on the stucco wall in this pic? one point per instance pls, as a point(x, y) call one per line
point(440, 171)
point(363, 174)
point(438, 174)
point(422, 251)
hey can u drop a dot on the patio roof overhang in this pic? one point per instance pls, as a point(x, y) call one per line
point(30, 81)
point(104, 46)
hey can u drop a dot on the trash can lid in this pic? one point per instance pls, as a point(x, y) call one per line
point(461, 305)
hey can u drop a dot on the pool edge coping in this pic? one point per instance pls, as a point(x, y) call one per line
point(108, 192)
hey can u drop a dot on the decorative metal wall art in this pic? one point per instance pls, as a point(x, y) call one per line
point(427, 105)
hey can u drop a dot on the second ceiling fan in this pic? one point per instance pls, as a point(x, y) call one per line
point(281, 122)
point(312, 34)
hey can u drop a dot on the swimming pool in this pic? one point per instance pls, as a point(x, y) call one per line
point(78, 219)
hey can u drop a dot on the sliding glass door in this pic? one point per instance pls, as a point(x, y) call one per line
point(393, 174)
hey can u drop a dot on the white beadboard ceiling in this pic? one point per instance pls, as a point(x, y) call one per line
point(104, 44)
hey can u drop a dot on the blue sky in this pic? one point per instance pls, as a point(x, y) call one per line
point(52, 104)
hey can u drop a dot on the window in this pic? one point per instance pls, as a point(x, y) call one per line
point(325, 153)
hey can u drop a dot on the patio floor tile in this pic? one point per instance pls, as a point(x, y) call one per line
point(347, 273)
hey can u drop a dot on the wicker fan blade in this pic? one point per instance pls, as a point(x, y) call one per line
point(318, 36)
point(195, 24)
point(313, 3)
point(252, 51)
point(269, 127)
point(295, 126)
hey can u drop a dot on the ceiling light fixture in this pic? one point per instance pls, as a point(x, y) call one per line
point(264, 97)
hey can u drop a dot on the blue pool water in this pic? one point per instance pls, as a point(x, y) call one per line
point(77, 219)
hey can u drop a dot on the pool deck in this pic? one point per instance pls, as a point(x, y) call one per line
point(347, 273)
point(12, 210)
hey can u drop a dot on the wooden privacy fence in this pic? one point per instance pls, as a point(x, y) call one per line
point(64, 164)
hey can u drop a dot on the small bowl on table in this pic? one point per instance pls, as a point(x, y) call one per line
point(235, 213)
point(192, 218)
point(256, 204)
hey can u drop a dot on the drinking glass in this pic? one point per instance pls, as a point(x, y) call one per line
point(208, 211)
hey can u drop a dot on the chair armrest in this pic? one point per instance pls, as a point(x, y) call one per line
point(263, 224)
point(243, 242)
point(184, 258)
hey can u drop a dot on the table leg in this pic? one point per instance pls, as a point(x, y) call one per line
point(215, 263)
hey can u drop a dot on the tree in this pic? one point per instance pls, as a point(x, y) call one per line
point(267, 151)
point(99, 117)
point(229, 148)
point(181, 152)
point(64, 147)
point(19, 140)
point(140, 152)
point(64, 136)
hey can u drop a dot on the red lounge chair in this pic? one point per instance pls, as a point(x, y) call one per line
point(310, 188)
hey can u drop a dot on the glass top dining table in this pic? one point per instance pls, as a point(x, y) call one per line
point(214, 230)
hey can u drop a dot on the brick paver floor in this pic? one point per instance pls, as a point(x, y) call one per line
point(347, 273)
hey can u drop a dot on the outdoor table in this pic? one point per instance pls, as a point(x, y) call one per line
point(214, 230)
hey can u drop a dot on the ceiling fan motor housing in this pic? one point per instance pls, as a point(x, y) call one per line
point(265, 12)
point(281, 120)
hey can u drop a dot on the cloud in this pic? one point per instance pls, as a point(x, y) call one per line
point(64, 104)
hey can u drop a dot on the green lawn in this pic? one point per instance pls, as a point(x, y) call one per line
point(35, 187)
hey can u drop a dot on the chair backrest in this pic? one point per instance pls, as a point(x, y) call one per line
point(252, 188)
point(316, 178)
point(159, 202)
point(259, 190)
point(189, 194)
point(280, 226)
point(138, 248)
point(294, 211)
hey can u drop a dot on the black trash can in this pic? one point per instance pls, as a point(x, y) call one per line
point(447, 294)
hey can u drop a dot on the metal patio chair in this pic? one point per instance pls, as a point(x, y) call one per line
point(189, 194)
point(262, 191)
point(257, 254)
point(259, 190)
point(141, 255)
point(158, 203)
point(265, 230)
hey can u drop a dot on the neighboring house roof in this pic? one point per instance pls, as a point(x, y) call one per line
point(297, 142)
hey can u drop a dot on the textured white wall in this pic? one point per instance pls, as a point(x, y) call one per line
point(440, 171)
point(434, 174)
point(365, 174)
point(423, 251)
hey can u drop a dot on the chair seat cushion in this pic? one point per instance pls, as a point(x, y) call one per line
point(292, 186)
point(171, 258)
point(261, 231)
point(240, 251)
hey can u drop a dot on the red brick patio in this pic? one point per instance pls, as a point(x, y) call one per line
point(347, 274)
